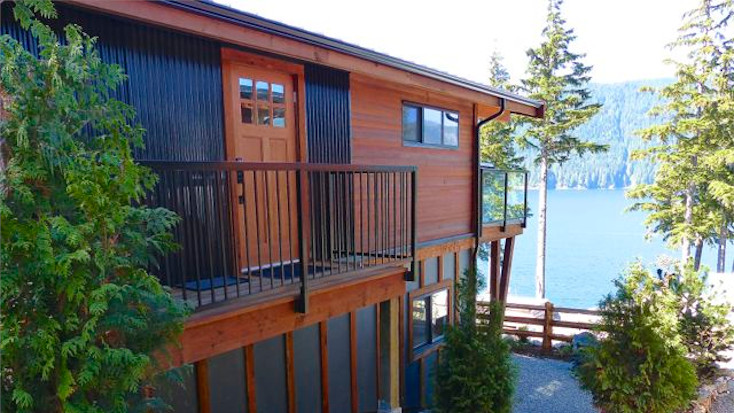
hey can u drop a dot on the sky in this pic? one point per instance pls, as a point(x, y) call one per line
point(623, 39)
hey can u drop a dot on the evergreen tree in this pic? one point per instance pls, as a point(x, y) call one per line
point(498, 145)
point(559, 78)
point(690, 199)
point(84, 324)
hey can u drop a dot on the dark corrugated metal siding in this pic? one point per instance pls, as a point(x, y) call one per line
point(328, 123)
point(174, 81)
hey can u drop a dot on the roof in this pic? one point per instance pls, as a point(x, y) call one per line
point(219, 11)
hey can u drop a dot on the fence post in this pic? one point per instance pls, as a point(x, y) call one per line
point(548, 327)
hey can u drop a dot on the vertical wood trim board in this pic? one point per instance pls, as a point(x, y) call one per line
point(250, 378)
point(506, 268)
point(378, 352)
point(422, 278)
point(323, 334)
point(457, 278)
point(401, 347)
point(353, 360)
point(202, 386)
point(290, 372)
point(440, 268)
point(494, 269)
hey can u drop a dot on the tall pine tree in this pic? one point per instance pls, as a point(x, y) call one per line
point(559, 78)
point(690, 202)
point(498, 139)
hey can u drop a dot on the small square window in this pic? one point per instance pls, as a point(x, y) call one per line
point(420, 323)
point(245, 88)
point(451, 129)
point(278, 93)
point(411, 123)
point(246, 113)
point(430, 126)
point(430, 316)
point(263, 115)
point(262, 90)
point(279, 117)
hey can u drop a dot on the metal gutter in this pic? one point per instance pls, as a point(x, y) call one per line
point(478, 166)
point(222, 12)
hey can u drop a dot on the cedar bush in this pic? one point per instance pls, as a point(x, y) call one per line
point(702, 319)
point(82, 320)
point(475, 373)
point(640, 365)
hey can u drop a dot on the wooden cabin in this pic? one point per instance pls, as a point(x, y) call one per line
point(330, 196)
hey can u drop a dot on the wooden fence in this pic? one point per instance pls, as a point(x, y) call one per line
point(532, 320)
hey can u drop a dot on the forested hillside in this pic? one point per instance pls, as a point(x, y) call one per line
point(624, 111)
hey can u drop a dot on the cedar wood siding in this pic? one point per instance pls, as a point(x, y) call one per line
point(445, 186)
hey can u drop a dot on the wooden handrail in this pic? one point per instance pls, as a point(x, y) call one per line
point(547, 321)
point(270, 166)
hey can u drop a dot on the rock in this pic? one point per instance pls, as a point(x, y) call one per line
point(584, 339)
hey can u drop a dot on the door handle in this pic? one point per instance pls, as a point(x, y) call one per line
point(240, 174)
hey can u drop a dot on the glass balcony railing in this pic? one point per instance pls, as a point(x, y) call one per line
point(503, 197)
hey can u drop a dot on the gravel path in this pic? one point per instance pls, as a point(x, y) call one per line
point(546, 385)
point(723, 404)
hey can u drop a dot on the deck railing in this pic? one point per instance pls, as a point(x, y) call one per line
point(250, 228)
point(503, 196)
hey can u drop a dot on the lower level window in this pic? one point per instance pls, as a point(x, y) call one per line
point(430, 318)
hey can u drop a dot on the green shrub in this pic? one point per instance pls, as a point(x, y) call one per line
point(640, 365)
point(703, 325)
point(83, 322)
point(476, 374)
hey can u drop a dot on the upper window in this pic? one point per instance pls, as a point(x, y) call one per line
point(263, 107)
point(430, 318)
point(430, 126)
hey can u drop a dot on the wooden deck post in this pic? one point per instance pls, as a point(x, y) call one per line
point(548, 327)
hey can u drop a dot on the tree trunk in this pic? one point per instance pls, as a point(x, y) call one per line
point(697, 257)
point(721, 259)
point(542, 209)
point(688, 218)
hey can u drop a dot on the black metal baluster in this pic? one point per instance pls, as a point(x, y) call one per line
point(257, 229)
point(194, 238)
point(266, 207)
point(278, 194)
point(302, 304)
point(361, 222)
point(207, 238)
point(369, 220)
point(291, 258)
point(181, 230)
point(246, 224)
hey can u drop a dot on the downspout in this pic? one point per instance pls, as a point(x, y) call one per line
point(478, 229)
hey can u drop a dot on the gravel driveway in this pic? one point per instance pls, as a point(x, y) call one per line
point(546, 385)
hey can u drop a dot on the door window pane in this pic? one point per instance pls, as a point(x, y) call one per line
point(279, 117)
point(411, 127)
point(245, 88)
point(263, 115)
point(432, 126)
point(246, 113)
point(262, 90)
point(420, 330)
point(278, 93)
point(450, 128)
point(439, 313)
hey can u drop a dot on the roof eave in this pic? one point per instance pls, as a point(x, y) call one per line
point(219, 11)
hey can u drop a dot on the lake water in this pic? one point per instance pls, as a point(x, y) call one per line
point(590, 241)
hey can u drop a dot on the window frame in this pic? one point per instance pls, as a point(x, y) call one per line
point(421, 142)
point(434, 342)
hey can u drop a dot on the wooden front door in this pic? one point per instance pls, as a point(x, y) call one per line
point(262, 128)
